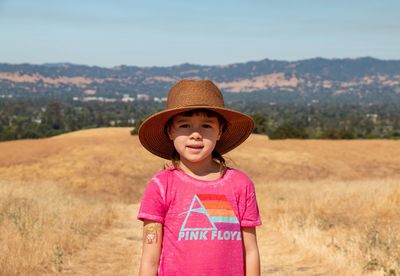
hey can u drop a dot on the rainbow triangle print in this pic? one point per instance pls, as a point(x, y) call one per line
point(210, 212)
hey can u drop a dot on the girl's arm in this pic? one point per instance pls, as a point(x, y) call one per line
point(152, 240)
point(251, 254)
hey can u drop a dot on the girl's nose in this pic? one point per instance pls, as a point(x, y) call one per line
point(196, 135)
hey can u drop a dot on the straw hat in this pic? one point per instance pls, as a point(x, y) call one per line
point(187, 95)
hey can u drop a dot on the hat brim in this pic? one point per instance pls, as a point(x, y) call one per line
point(154, 139)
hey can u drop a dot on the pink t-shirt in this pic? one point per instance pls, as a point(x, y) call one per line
point(201, 221)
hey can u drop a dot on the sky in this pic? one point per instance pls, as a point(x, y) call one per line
point(171, 32)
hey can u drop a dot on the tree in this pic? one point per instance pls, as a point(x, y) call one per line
point(260, 123)
point(287, 131)
point(53, 117)
point(135, 129)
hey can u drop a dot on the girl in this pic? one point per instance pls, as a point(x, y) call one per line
point(199, 215)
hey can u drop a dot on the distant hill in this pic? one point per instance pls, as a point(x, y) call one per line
point(361, 80)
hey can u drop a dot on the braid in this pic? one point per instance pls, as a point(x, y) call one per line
point(174, 161)
point(221, 160)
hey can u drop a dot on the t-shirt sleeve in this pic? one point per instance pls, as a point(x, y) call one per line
point(251, 215)
point(152, 205)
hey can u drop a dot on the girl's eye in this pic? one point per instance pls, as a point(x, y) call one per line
point(207, 126)
point(184, 126)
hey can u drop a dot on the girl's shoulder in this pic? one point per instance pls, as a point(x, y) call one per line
point(238, 174)
point(242, 182)
point(164, 173)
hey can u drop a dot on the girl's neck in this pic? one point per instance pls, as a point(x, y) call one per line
point(203, 170)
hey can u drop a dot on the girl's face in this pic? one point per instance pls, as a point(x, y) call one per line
point(195, 136)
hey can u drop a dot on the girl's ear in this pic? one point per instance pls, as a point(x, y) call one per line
point(220, 132)
point(169, 133)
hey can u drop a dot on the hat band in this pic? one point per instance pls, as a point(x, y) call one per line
point(196, 105)
point(181, 99)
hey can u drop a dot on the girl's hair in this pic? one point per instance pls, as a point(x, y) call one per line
point(175, 158)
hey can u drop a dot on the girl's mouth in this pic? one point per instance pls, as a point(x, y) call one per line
point(195, 147)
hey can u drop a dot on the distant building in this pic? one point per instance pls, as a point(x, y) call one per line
point(160, 100)
point(99, 99)
point(114, 122)
point(90, 99)
point(37, 120)
point(90, 92)
point(108, 100)
point(142, 97)
point(126, 98)
point(373, 117)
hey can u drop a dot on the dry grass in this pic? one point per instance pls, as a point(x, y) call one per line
point(349, 227)
point(41, 225)
point(328, 207)
point(336, 202)
point(108, 163)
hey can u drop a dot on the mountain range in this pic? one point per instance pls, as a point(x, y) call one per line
point(360, 80)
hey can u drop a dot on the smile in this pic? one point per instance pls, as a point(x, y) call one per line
point(195, 147)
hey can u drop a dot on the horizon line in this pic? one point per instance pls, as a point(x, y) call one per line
point(59, 64)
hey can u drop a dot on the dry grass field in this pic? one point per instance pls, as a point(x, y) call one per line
point(68, 204)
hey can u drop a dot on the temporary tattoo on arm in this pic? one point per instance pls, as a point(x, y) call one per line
point(150, 232)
